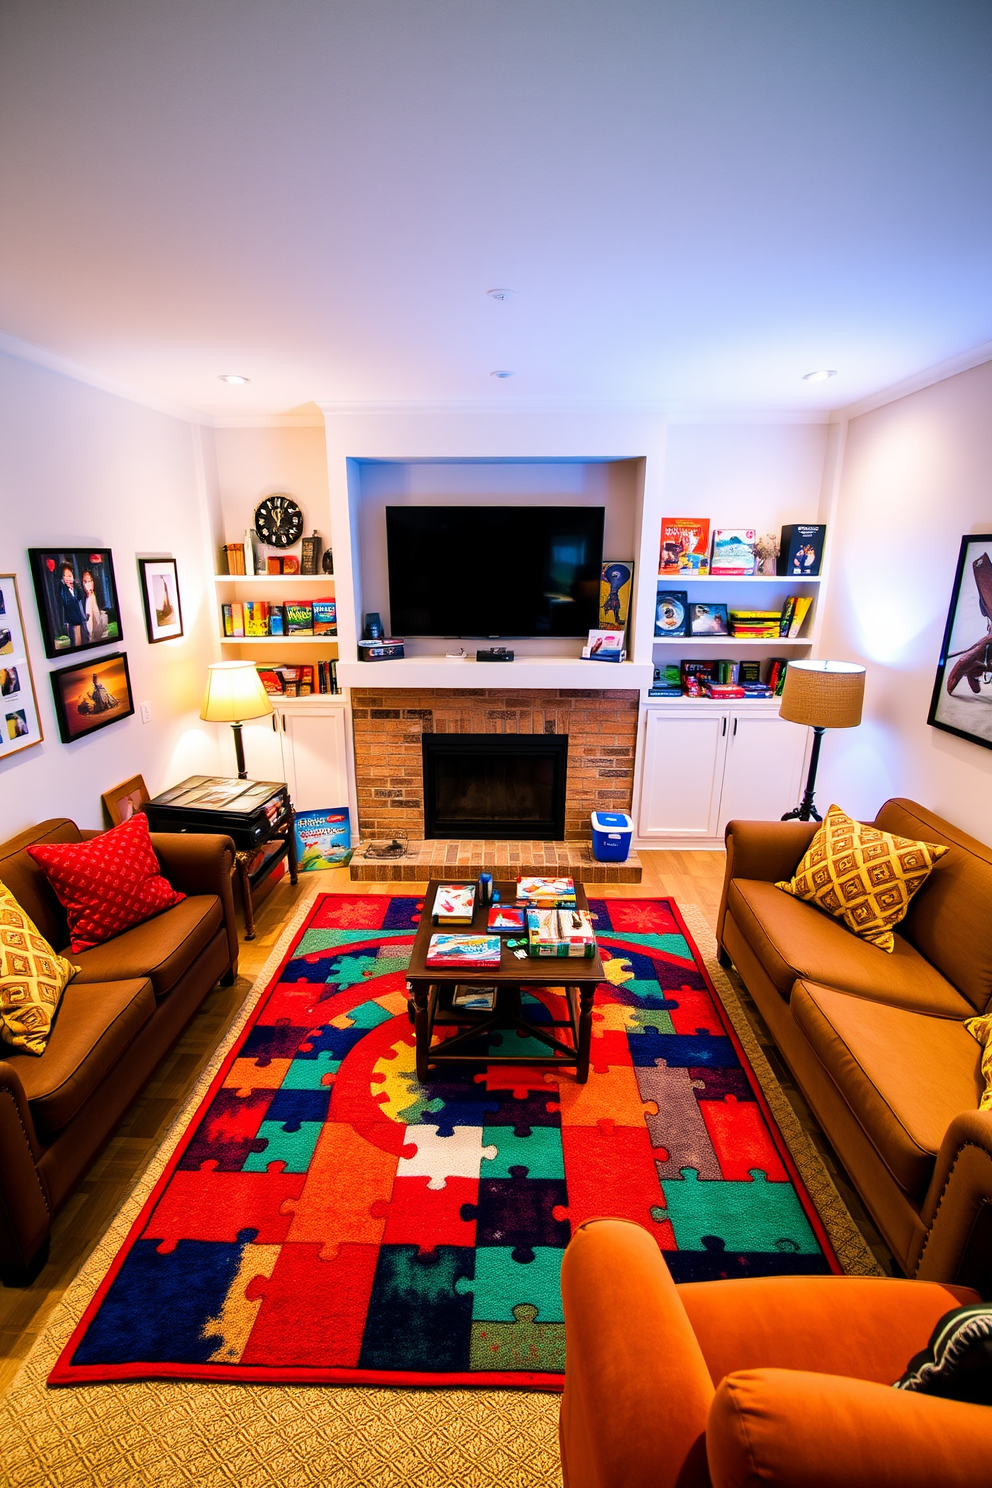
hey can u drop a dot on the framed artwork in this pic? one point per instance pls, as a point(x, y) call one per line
point(671, 616)
point(160, 597)
point(91, 694)
point(616, 580)
point(962, 690)
point(20, 726)
point(125, 799)
point(77, 598)
point(707, 619)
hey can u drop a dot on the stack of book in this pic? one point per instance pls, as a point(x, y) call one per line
point(467, 952)
point(794, 612)
point(757, 625)
point(546, 893)
point(300, 681)
point(560, 932)
point(454, 904)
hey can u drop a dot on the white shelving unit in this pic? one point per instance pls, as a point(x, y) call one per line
point(268, 578)
point(727, 642)
point(319, 585)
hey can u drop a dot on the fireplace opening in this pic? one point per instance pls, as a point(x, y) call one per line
point(495, 785)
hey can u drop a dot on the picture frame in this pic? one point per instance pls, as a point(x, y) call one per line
point(616, 584)
point(20, 725)
point(77, 599)
point(160, 596)
point(708, 619)
point(90, 695)
point(124, 800)
point(671, 615)
point(961, 702)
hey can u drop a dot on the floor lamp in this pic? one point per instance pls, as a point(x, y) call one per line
point(235, 694)
point(821, 695)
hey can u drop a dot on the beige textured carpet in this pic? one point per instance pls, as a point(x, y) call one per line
point(173, 1433)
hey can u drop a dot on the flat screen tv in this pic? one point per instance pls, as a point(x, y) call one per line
point(494, 572)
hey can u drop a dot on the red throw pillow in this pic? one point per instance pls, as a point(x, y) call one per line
point(109, 883)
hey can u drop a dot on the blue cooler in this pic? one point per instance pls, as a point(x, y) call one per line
point(611, 834)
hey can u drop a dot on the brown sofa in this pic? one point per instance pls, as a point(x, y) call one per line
point(876, 1042)
point(130, 1001)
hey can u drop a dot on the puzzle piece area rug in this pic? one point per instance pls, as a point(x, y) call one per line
point(325, 1218)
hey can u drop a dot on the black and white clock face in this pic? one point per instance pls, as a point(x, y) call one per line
point(279, 521)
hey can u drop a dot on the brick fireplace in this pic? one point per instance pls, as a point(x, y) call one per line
point(389, 724)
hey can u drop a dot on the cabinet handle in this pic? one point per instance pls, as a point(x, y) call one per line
point(724, 725)
point(283, 722)
point(275, 726)
point(736, 722)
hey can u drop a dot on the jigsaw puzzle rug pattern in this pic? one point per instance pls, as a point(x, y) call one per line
point(328, 1218)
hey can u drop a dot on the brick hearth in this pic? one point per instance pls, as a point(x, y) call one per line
point(602, 732)
point(504, 860)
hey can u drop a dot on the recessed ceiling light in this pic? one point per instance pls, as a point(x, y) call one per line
point(500, 294)
point(234, 378)
point(819, 376)
point(501, 374)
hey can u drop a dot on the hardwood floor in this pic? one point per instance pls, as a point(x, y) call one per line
point(689, 877)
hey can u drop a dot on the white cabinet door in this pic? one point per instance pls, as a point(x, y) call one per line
point(317, 764)
point(263, 749)
point(763, 775)
point(683, 768)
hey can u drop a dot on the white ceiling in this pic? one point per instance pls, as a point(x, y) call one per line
point(695, 201)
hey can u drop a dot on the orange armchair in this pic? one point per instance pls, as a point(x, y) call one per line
point(782, 1382)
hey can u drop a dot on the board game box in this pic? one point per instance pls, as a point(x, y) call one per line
point(470, 952)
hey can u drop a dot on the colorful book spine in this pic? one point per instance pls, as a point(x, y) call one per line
point(299, 618)
point(325, 617)
point(800, 610)
point(237, 618)
point(228, 621)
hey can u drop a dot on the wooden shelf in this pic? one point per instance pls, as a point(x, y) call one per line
point(687, 578)
point(283, 640)
point(728, 641)
point(268, 578)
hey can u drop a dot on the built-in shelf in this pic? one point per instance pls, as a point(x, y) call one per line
point(283, 640)
point(268, 578)
point(531, 671)
point(726, 641)
point(666, 581)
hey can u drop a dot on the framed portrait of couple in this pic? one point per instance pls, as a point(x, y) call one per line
point(77, 598)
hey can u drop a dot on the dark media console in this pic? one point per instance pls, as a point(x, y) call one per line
point(494, 653)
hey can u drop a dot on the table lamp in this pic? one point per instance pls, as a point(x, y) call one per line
point(234, 694)
point(821, 695)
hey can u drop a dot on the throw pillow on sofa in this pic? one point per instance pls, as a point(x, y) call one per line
point(862, 875)
point(32, 978)
point(981, 1029)
point(109, 884)
point(957, 1362)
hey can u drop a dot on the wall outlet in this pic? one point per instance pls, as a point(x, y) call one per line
point(146, 712)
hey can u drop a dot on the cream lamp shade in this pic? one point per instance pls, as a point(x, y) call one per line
point(234, 693)
point(823, 694)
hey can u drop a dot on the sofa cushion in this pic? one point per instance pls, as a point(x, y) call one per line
point(793, 939)
point(162, 948)
point(32, 978)
point(904, 1075)
point(107, 884)
point(93, 1028)
point(862, 875)
point(948, 921)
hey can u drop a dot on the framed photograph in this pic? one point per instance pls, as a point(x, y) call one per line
point(91, 694)
point(707, 619)
point(671, 616)
point(125, 799)
point(77, 598)
point(160, 596)
point(962, 690)
point(19, 723)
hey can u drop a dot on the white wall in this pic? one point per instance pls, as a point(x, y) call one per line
point(252, 463)
point(743, 475)
point(78, 467)
point(917, 476)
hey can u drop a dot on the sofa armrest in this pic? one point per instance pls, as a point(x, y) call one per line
point(767, 850)
point(785, 1428)
point(201, 863)
point(637, 1389)
point(957, 1211)
point(25, 1219)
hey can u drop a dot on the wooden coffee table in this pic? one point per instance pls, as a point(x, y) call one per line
point(431, 987)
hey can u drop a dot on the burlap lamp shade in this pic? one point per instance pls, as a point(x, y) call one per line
point(821, 695)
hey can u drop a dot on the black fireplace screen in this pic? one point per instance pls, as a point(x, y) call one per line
point(495, 785)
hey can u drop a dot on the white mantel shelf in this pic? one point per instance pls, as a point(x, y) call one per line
point(533, 671)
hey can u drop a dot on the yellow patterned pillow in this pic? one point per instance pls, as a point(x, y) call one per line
point(862, 876)
point(32, 978)
point(981, 1029)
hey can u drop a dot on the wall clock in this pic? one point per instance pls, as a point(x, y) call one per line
point(279, 521)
